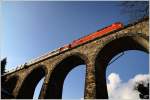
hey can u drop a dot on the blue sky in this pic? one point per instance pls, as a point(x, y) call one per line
point(31, 29)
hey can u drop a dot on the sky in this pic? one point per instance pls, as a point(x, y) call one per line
point(31, 29)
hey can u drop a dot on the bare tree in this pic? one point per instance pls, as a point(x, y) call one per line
point(135, 9)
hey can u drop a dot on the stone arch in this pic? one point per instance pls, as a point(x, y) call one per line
point(10, 83)
point(59, 73)
point(30, 82)
point(108, 51)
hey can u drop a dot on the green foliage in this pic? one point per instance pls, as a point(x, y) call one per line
point(143, 89)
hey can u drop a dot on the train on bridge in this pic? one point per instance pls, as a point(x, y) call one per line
point(99, 33)
point(82, 40)
point(75, 43)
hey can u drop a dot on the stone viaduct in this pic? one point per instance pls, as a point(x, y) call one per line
point(95, 54)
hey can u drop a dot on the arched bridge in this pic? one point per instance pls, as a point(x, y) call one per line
point(95, 54)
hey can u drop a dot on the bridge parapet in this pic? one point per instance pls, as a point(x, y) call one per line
point(128, 28)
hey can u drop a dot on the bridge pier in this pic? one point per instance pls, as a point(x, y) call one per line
point(43, 91)
point(90, 85)
point(44, 87)
point(17, 88)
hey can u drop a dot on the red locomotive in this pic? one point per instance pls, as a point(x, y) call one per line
point(82, 40)
point(92, 36)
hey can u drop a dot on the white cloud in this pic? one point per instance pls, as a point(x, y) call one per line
point(114, 81)
point(119, 90)
point(140, 78)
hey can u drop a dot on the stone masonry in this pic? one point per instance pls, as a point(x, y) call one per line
point(95, 54)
